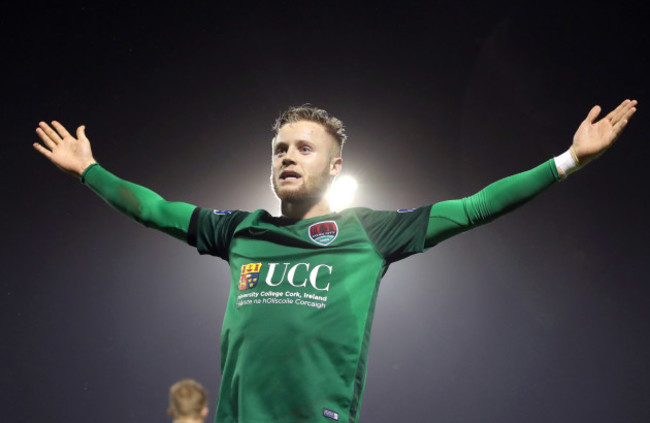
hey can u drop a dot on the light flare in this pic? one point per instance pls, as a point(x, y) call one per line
point(341, 193)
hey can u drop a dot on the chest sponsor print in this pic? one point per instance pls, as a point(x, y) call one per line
point(300, 284)
point(323, 233)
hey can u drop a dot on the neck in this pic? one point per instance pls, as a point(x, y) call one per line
point(305, 208)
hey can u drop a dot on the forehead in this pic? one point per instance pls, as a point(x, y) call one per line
point(303, 130)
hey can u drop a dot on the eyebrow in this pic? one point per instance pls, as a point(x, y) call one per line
point(299, 141)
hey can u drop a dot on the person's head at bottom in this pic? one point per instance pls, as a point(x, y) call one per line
point(188, 402)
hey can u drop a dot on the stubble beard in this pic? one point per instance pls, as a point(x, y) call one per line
point(312, 191)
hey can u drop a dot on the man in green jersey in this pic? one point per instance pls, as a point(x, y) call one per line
point(303, 288)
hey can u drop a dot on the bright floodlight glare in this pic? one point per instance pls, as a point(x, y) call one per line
point(341, 192)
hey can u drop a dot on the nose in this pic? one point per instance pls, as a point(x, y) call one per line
point(288, 157)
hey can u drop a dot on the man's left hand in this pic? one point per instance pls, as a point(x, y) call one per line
point(593, 138)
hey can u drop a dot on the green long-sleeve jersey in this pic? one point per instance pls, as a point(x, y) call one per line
point(296, 331)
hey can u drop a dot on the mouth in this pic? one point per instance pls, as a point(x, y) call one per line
point(289, 175)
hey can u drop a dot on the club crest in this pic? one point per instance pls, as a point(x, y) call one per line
point(250, 274)
point(323, 233)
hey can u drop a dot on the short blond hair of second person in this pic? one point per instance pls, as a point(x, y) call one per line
point(188, 399)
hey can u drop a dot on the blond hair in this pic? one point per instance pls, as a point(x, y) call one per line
point(332, 125)
point(187, 398)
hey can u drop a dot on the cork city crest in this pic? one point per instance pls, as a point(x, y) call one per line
point(250, 274)
point(323, 233)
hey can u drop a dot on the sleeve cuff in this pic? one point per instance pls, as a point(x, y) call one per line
point(89, 169)
point(193, 228)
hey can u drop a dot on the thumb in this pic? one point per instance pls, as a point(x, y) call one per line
point(81, 132)
point(593, 114)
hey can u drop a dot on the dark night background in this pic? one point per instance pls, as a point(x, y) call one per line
point(541, 316)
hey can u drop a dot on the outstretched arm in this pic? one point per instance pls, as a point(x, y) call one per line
point(451, 217)
point(592, 139)
point(74, 156)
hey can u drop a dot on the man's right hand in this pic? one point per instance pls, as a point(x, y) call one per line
point(71, 155)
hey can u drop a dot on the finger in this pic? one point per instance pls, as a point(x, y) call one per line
point(81, 132)
point(629, 113)
point(621, 112)
point(618, 108)
point(60, 129)
point(44, 151)
point(45, 138)
point(593, 114)
point(618, 127)
point(50, 132)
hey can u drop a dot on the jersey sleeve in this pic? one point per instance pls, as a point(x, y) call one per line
point(139, 203)
point(448, 218)
point(395, 234)
point(211, 231)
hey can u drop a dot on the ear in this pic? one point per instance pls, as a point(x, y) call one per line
point(335, 166)
point(170, 412)
point(204, 412)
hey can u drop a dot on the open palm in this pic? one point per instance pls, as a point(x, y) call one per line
point(71, 155)
point(594, 138)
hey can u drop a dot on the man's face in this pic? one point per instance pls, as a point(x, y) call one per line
point(304, 161)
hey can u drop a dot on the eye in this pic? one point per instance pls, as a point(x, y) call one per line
point(280, 150)
point(305, 149)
